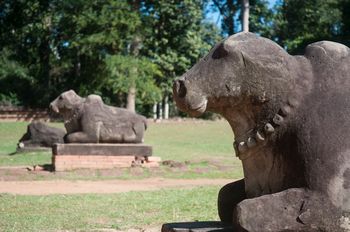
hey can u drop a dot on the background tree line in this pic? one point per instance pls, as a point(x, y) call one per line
point(129, 51)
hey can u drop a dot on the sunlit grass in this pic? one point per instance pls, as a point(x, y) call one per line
point(205, 146)
point(114, 211)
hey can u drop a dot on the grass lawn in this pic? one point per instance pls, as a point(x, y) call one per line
point(205, 146)
point(110, 211)
point(10, 133)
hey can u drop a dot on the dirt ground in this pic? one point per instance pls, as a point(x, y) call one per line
point(106, 186)
point(21, 180)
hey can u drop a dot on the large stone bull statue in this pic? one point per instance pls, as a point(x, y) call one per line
point(291, 119)
point(89, 120)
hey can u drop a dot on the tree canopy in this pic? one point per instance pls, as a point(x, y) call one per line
point(109, 47)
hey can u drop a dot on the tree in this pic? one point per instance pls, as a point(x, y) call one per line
point(175, 37)
point(24, 40)
point(87, 32)
point(260, 16)
point(55, 45)
point(245, 15)
point(228, 10)
point(300, 22)
point(345, 21)
point(124, 75)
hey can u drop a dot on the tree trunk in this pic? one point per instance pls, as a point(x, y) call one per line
point(166, 107)
point(130, 105)
point(134, 51)
point(231, 15)
point(160, 107)
point(155, 111)
point(245, 15)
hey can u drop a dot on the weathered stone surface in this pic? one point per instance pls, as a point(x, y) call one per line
point(300, 105)
point(40, 136)
point(89, 120)
point(290, 210)
point(209, 226)
point(102, 149)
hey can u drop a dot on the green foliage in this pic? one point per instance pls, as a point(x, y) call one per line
point(10, 68)
point(62, 44)
point(300, 22)
point(127, 71)
point(9, 100)
point(51, 46)
point(260, 16)
point(177, 36)
point(87, 45)
point(87, 32)
point(96, 27)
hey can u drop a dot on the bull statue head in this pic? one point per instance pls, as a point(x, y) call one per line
point(64, 103)
point(244, 78)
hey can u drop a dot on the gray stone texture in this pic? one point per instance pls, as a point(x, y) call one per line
point(39, 135)
point(87, 149)
point(291, 120)
point(89, 120)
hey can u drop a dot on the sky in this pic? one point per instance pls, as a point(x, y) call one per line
point(215, 16)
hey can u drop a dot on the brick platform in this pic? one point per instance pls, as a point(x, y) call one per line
point(101, 156)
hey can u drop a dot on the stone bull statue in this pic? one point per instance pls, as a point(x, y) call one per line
point(291, 120)
point(89, 120)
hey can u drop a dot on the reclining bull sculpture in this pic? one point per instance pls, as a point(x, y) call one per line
point(89, 120)
point(291, 120)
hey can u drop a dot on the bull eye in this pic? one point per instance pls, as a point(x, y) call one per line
point(60, 97)
point(220, 52)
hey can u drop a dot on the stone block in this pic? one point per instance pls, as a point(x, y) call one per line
point(98, 156)
point(104, 149)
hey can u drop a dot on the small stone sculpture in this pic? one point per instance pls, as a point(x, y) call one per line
point(291, 120)
point(40, 135)
point(89, 120)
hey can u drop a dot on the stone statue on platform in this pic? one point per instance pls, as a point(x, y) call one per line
point(89, 120)
point(291, 120)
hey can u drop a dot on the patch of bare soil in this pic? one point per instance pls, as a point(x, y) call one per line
point(47, 187)
point(44, 172)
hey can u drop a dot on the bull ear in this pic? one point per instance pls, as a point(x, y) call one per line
point(220, 51)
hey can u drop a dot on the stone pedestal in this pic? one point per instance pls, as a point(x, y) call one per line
point(206, 226)
point(100, 156)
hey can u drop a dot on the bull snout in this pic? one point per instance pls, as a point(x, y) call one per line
point(188, 98)
point(53, 108)
point(179, 88)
